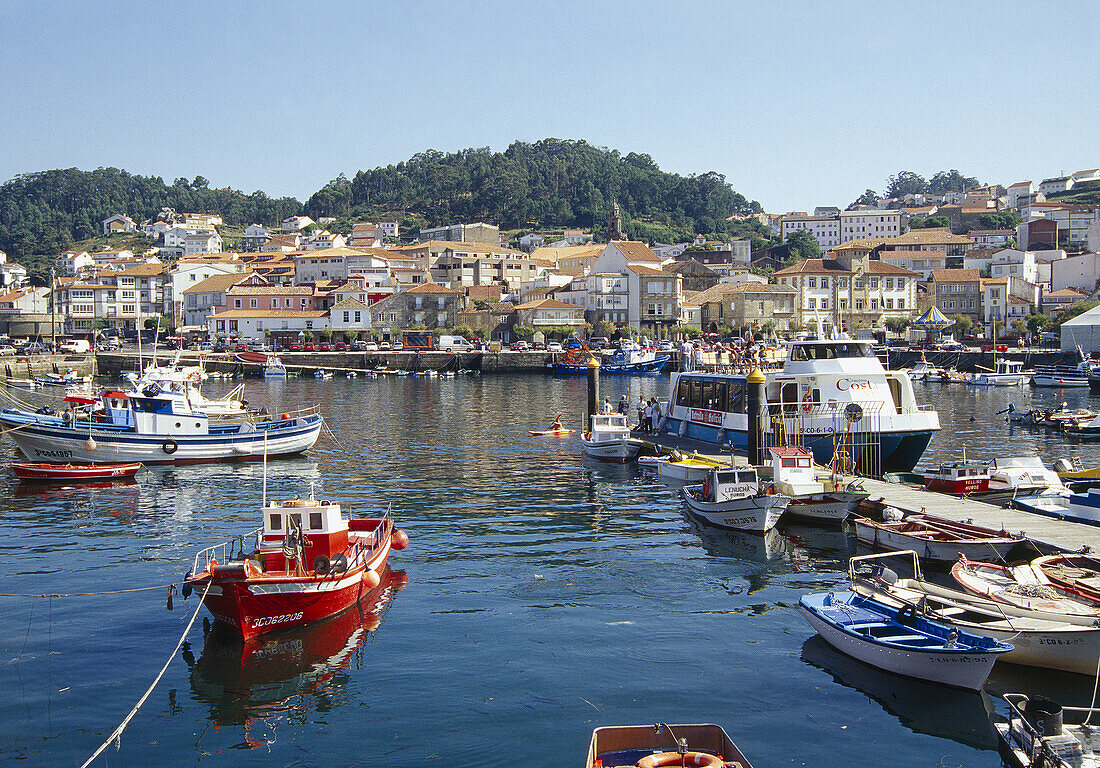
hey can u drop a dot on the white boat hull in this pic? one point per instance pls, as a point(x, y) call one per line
point(622, 449)
point(1059, 507)
point(998, 380)
point(71, 445)
point(960, 670)
point(755, 514)
point(888, 540)
point(682, 473)
point(1058, 382)
point(825, 507)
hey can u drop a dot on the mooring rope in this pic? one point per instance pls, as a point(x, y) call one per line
point(117, 732)
point(88, 594)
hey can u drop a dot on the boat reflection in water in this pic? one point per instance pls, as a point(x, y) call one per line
point(285, 672)
point(948, 713)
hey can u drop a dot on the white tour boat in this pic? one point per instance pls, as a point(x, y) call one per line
point(827, 391)
point(825, 499)
point(610, 438)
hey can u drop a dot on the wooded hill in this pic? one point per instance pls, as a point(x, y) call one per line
point(549, 184)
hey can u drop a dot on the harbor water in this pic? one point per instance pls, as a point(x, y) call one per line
point(542, 595)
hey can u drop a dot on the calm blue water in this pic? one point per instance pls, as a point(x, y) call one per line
point(542, 595)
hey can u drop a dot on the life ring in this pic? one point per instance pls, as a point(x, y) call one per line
point(906, 614)
point(169, 446)
point(808, 401)
point(194, 377)
point(675, 758)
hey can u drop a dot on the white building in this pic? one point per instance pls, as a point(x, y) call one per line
point(1021, 190)
point(825, 228)
point(390, 228)
point(189, 272)
point(118, 223)
point(323, 240)
point(1056, 184)
point(923, 262)
point(1081, 272)
point(254, 323)
point(296, 223)
point(202, 242)
point(856, 225)
point(255, 236)
point(24, 301)
point(1012, 263)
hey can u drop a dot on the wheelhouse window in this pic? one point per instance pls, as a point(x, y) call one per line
point(276, 521)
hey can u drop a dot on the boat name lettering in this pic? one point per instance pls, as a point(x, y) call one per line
point(53, 454)
point(268, 621)
point(1059, 641)
point(844, 385)
point(734, 521)
point(702, 416)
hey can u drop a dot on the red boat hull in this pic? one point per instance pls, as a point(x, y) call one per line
point(252, 604)
point(958, 487)
point(73, 472)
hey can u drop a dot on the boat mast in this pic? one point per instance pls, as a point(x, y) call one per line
point(265, 471)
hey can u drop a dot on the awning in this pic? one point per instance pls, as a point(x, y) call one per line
point(932, 317)
point(81, 400)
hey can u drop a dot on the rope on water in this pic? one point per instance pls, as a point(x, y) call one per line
point(89, 594)
point(117, 732)
point(328, 431)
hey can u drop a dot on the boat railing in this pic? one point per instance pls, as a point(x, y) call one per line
point(221, 552)
point(1030, 739)
point(854, 562)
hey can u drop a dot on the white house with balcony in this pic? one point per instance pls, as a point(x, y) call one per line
point(296, 223)
point(202, 242)
point(550, 312)
point(1014, 263)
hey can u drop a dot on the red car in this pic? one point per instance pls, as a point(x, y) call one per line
point(324, 346)
point(241, 348)
point(295, 347)
point(340, 346)
point(308, 347)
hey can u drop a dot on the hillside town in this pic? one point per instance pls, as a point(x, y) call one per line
point(881, 266)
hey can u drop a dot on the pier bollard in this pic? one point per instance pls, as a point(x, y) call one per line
point(593, 392)
point(755, 407)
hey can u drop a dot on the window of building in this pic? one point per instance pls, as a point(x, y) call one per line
point(824, 303)
point(237, 303)
point(357, 313)
point(812, 282)
point(252, 303)
point(859, 305)
point(813, 303)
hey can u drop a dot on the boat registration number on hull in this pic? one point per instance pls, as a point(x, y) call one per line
point(270, 621)
point(53, 454)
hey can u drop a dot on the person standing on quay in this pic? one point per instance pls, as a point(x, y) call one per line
point(641, 406)
point(624, 405)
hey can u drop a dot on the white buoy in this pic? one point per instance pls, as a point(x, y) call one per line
point(89, 444)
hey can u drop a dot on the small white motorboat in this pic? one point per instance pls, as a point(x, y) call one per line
point(900, 641)
point(1005, 373)
point(322, 374)
point(651, 746)
point(692, 468)
point(274, 368)
point(22, 383)
point(733, 497)
point(610, 438)
point(828, 499)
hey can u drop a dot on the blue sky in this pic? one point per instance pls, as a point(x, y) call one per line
point(798, 104)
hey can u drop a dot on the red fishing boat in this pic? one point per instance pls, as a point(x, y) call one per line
point(959, 477)
point(73, 473)
point(309, 563)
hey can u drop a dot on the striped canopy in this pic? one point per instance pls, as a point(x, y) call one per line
point(932, 318)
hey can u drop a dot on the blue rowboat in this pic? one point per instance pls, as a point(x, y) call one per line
point(899, 641)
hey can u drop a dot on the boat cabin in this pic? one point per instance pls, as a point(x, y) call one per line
point(967, 476)
point(793, 471)
point(323, 528)
point(609, 426)
point(727, 484)
point(1004, 365)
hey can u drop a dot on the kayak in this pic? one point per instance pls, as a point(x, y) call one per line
point(554, 432)
point(74, 472)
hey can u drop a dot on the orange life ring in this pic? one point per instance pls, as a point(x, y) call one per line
point(807, 401)
point(675, 758)
point(194, 377)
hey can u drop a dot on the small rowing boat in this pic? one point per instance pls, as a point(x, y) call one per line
point(900, 641)
point(936, 538)
point(1076, 575)
point(651, 746)
point(550, 432)
point(1024, 586)
point(69, 473)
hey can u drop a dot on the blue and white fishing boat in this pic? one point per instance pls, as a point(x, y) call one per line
point(1078, 507)
point(626, 361)
point(153, 426)
point(1065, 376)
point(901, 641)
point(827, 391)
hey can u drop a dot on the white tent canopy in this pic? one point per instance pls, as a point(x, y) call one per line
point(1082, 331)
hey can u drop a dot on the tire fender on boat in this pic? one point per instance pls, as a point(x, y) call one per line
point(321, 565)
point(683, 427)
point(169, 446)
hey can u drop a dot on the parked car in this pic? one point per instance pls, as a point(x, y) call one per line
point(664, 345)
point(242, 346)
point(33, 348)
point(7, 349)
point(554, 346)
point(538, 345)
point(340, 346)
point(398, 346)
point(295, 347)
point(520, 346)
point(384, 346)
point(309, 346)
point(324, 346)
point(370, 346)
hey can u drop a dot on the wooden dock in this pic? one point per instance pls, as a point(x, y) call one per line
point(1048, 533)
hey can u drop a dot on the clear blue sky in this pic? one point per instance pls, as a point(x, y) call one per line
point(798, 104)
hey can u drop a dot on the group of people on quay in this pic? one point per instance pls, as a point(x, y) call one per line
point(725, 357)
point(649, 411)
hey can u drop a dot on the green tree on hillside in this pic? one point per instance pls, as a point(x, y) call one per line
point(906, 183)
point(803, 245)
point(869, 197)
point(950, 181)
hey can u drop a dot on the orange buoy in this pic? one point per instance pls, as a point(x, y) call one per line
point(371, 579)
point(399, 540)
point(285, 416)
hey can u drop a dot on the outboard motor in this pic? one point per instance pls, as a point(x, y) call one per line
point(1063, 465)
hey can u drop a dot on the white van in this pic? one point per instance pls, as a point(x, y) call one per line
point(76, 347)
point(455, 344)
